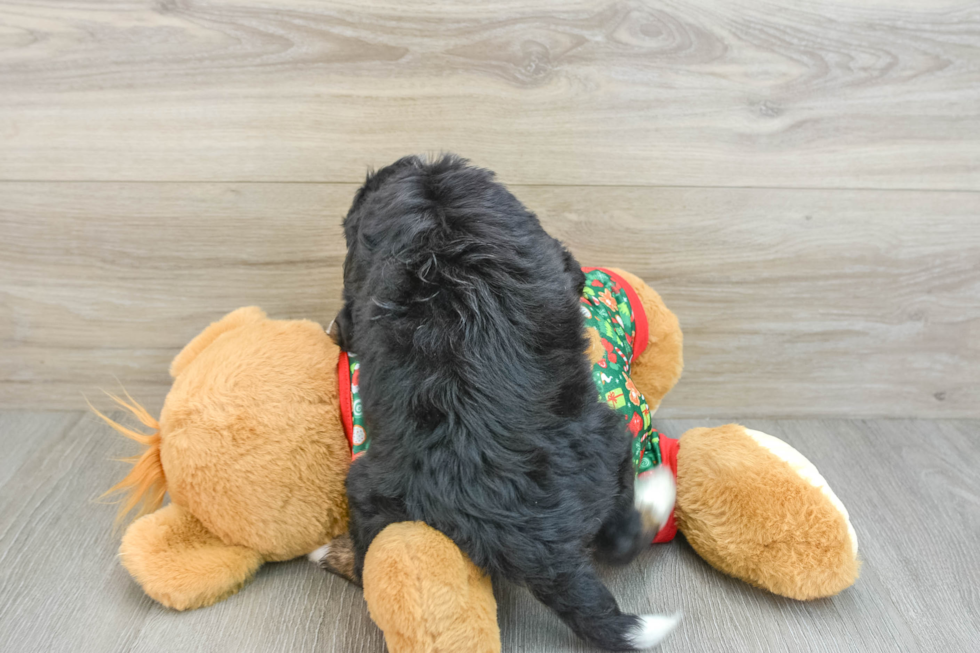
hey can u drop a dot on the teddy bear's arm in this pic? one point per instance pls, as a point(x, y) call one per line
point(180, 563)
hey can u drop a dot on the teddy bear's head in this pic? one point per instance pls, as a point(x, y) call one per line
point(251, 440)
point(251, 449)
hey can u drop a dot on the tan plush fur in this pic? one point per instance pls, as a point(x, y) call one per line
point(230, 322)
point(426, 595)
point(595, 352)
point(252, 442)
point(180, 563)
point(251, 449)
point(749, 515)
point(145, 485)
point(743, 509)
point(659, 367)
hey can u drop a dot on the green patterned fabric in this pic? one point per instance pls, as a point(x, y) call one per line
point(359, 439)
point(606, 308)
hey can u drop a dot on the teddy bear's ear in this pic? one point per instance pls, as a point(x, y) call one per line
point(234, 320)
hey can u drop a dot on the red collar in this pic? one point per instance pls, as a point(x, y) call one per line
point(343, 390)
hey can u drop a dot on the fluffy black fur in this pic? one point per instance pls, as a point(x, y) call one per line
point(481, 407)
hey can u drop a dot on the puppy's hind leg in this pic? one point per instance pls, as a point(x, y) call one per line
point(580, 599)
point(336, 557)
point(642, 507)
point(622, 536)
point(370, 512)
point(654, 496)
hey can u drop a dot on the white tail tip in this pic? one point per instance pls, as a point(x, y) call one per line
point(652, 630)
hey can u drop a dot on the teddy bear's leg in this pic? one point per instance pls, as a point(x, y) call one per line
point(178, 562)
point(426, 595)
point(659, 366)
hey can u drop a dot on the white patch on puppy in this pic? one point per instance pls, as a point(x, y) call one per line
point(654, 494)
point(319, 554)
point(652, 630)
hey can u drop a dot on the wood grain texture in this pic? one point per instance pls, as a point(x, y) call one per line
point(793, 302)
point(700, 92)
point(910, 486)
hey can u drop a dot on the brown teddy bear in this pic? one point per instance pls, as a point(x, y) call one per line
point(257, 433)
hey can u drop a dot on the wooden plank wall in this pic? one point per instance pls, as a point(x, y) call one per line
point(800, 180)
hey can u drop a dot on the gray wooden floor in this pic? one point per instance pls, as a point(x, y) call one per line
point(912, 488)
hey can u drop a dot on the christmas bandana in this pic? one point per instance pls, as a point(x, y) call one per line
point(613, 311)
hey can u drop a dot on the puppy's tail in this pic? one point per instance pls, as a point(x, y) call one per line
point(651, 630)
point(581, 600)
point(627, 632)
point(145, 485)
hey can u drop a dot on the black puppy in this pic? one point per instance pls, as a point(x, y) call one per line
point(483, 415)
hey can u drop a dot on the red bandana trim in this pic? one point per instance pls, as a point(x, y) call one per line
point(343, 389)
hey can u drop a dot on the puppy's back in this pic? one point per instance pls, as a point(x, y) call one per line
point(449, 275)
point(484, 418)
